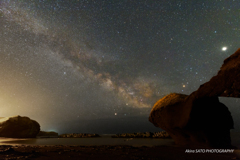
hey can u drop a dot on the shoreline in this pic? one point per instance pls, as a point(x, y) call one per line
point(39, 152)
point(98, 141)
point(106, 151)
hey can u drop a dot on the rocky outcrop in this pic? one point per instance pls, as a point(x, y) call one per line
point(226, 83)
point(78, 135)
point(134, 135)
point(47, 134)
point(18, 127)
point(168, 111)
point(200, 119)
point(205, 122)
point(162, 134)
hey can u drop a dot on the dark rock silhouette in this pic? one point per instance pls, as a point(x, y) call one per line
point(200, 119)
point(18, 127)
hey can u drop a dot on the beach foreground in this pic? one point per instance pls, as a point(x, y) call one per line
point(116, 152)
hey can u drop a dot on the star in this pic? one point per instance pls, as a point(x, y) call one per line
point(70, 58)
point(224, 48)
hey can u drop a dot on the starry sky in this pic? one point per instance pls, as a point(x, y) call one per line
point(100, 65)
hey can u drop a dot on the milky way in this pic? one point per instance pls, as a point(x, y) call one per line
point(80, 65)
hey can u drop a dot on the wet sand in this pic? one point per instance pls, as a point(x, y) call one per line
point(115, 152)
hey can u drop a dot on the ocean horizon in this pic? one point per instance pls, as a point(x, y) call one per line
point(104, 139)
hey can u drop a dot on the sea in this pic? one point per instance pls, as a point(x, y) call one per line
point(103, 140)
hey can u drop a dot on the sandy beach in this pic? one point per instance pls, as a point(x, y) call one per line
point(116, 152)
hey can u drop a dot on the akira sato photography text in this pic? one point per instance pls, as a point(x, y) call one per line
point(209, 150)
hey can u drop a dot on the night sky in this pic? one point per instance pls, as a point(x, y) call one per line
point(100, 65)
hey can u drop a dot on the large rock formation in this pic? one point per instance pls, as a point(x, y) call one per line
point(226, 83)
point(168, 111)
point(200, 119)
point(205, 122)
point(18, 127)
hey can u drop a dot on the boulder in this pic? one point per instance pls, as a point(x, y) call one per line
point(207, 122)
point(168, 111)
point(200, 119)
point(18, 127)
